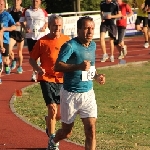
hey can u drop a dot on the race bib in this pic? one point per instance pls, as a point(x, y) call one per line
point(88, 75)
point(34, 28)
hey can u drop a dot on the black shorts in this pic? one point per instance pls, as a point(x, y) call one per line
point(121, 34)
point(140, 19)
point(31, 43)
point(51, 92)
point(1, 67)
point(112, 29)
point(6, 46)
point(17, 36)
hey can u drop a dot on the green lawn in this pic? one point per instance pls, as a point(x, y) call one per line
point(123, 109)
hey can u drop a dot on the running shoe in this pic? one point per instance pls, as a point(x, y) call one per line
point(105, 57)
point(13, 65)
point(7, 70)
point(0, 81)
point(19, 70)
point(52, 145)
point(120, 57)
point(146, 45)
point(112, 58)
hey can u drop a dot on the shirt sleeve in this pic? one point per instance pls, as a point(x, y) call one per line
point(22, 18)
point(35, 53)
point(10, 20)
point(128, 8)
point(65, 52)
point(46, 15)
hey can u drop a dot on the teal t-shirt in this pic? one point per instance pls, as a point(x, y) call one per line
point(73, 52)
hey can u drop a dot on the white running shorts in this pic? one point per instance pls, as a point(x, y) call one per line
point(72, 104)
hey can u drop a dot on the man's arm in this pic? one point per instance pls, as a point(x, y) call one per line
point(64, 67)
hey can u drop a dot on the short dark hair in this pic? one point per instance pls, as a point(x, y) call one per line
point(81, 19)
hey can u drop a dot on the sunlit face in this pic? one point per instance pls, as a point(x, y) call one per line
point(87, 31)
point(17, 2)
point(55, 27)
point(2, 5)
point(36, 3)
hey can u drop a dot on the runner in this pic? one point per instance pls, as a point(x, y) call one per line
point(142, 17)
point(16, 37)
point(109, 12)
point(34, 21)
point(77, 60)
point(126, 11)
point(7, 25)
point(47, 49)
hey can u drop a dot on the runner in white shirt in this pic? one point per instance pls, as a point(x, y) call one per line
point(34, 20)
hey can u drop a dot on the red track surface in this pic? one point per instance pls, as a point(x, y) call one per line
point(15, 134)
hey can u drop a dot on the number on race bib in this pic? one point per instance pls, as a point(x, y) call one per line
point(88, 75)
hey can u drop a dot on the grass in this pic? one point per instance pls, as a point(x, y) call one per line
point(123, 109)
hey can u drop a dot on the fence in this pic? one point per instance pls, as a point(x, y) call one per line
point(70, 23)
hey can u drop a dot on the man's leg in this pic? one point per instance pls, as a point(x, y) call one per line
point(12, 42)
point(31, 43)
point(6, 60)
point(20, 56)
point(103, 46)
point(90, 133)
point(120, 45)
point(145, 31)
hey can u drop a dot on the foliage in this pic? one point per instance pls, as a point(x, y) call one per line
point(59, 6)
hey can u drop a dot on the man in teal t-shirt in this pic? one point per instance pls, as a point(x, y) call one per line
point(77, 60)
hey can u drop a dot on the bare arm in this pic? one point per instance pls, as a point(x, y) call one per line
point(9, 29)
point(117, 15)
point(63, 67)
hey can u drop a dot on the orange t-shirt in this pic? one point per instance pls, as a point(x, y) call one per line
point(47, 50)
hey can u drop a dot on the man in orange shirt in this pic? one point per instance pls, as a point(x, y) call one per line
point(47, 49)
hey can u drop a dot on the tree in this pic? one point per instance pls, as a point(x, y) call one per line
point(59, 6)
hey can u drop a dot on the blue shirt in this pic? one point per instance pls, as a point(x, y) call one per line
point(73, 52)
point(7, 21)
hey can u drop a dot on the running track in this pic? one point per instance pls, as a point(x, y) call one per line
point(16, 134)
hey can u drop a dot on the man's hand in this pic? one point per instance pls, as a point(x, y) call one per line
point(41, 71)
point(2, 50)
point(100, 78)
point(85, 65)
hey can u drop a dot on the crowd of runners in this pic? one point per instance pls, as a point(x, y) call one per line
point(64, 67)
